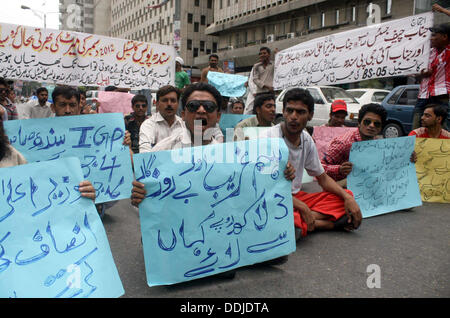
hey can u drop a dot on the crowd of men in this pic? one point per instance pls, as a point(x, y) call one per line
point(181, 107)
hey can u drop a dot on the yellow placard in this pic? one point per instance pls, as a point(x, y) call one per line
point(433, 169)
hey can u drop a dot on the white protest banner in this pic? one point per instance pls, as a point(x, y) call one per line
point(80, 59)
point(394, 48)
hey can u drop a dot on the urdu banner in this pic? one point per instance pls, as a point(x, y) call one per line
point(81, 59)
point(395, 48)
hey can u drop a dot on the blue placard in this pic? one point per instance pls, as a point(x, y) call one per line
point(52, 241)
point(229, 121)
point(383, 179)
point(229, 85)
point(97, 140)
point(214, 208)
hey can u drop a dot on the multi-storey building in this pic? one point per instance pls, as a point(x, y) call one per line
point(77, 15)
point(243, 26)
point(180, 23)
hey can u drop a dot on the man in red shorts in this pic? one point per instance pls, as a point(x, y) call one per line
point(335, 207)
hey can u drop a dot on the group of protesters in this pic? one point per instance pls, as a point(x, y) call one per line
point(335, 208)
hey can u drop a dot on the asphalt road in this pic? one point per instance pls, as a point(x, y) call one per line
point(411, 249)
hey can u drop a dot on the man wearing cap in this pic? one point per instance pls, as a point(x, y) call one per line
point(181, 77)
point(337, 114)
point(435, 81)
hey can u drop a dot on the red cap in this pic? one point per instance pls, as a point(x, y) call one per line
point(338, 105)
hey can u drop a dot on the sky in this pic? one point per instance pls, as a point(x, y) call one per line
point(12, 13)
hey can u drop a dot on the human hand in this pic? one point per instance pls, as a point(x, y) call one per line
point(346, 168)
point(289, 172)
point(353, 212)
point(87, 190)
point(413, 157)
point(127, 139)
point(137, 193)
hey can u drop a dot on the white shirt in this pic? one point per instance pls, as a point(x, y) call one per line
point(304, 156)
point(33, 109)
point(181, 138)
point(155, 129)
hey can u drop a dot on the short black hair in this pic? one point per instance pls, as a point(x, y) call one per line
point(299, 94)
point(163, 91)
point(439, 111)
point(139, 98)
point(4, 82)
point(265, 48)
point(40, 90)
point(213, 55)
point(65, 91)
point(201, 86)
point(260, 99)
point(110, 89)
point(373, 108)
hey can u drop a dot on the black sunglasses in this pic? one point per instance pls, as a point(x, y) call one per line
point(367, 122)
point(208, 105)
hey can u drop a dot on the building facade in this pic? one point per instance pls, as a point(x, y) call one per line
point(243, 26)
point(179, 23)
point(77, 15)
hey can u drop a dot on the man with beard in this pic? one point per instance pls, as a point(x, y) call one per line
point(165, 122)
point(213, 66)
point(433, 118)
point(334, 208)
point(39, 108)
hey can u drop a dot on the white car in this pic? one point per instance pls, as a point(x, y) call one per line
point(368, 95)
point(323, 98)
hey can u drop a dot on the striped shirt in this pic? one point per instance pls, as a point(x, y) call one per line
point(439, 81)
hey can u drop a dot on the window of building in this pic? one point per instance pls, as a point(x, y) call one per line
point(322, 19)
point(195, 51)
point(197, 3)
point(353, 13)
point(189, 44)
point(209, 4)
point(203, 20)
point(309, 23)
point(190, 17)
point(202, 46)
point(214, 48)
point(337, 16)
point(388, 6)
point(196, 27)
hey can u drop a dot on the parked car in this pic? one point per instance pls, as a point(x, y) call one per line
point(399, 104)
point(323, 97)
point(368, 95)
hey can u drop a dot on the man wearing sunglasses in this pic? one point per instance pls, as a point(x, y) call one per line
point(371, 119)
point(134, 121)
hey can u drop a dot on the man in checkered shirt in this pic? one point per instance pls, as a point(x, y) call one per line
point(371, 119)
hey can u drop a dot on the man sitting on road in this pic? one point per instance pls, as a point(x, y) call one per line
point(433, 118)
point(264, 108)
point(371, 119)
point(333, 209)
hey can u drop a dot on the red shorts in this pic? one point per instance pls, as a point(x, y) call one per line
point(323, 202)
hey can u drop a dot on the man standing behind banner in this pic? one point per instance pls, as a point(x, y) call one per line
point(181, 77)
point(164, 122)
point(7, 105)
point(213, 66)
point(263, 72)
point(435, 81)
point(39, 108)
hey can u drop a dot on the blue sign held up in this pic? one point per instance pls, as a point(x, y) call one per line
point(215, 208)
point(229, 85)
point(52, 241)
point(383, 179)
point(97, 140)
